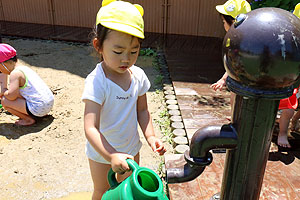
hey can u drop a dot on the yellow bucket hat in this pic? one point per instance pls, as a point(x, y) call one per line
point(234, 8)
point(297, 10)
point(122, 16)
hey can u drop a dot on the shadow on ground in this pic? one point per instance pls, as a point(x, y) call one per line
point(286, 155)
point(13, 131)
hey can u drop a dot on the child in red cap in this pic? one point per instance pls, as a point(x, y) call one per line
point(27, 97)
point(288, 107)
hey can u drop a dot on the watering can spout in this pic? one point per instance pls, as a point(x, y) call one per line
point(143, 183)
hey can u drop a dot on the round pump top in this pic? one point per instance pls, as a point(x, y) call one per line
point(262, 49)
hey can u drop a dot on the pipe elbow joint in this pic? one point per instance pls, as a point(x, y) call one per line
point(212, 137)
point(198, 157)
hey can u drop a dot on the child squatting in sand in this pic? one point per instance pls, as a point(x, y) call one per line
point(27, 97)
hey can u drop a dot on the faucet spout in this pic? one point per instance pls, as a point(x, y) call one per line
point(198, 157)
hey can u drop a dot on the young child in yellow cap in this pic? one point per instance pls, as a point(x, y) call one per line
point(27, 96)
point(115, 95)
point(297, 10)
point(229, 11)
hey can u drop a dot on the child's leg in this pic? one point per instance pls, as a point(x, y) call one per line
point(284, 121)
point(99, 175)
point(18, 108)
point(295, 121)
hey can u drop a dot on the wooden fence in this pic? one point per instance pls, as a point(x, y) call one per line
point(186, 17)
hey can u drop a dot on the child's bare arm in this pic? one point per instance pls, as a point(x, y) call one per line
point(220, 83)
point(14, 84)
point(145, 122)
point(98, 141)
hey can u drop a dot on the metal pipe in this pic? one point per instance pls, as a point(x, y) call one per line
point(261, 71)
point(212, 137)
point(244, 166)
point(184, 173)
point(198, 157)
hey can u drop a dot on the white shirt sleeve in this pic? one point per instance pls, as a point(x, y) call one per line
point(144, 83)
point(94, 88)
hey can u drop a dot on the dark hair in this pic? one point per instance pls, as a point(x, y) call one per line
point(229, 19)
point(100, 32)
point(15, 59)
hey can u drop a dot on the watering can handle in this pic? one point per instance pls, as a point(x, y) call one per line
point(111, 176)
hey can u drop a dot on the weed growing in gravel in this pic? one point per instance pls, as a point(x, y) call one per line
point(163, 121)
point(159, 80)
point(165, 126)
point(158, 91)
point(148, 52)
point(156, 65)
point(162, 173)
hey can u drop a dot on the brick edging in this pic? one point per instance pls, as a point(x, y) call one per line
point(180, 140)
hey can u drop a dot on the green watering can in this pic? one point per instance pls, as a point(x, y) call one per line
point(142, 184)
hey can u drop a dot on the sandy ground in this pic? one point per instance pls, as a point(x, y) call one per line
point(47, 160)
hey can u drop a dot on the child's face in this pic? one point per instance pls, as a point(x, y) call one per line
point(120, 51)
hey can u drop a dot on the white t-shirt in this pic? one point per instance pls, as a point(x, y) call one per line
point(39, 98)
point(118, 121)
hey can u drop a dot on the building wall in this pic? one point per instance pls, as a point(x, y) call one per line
point(187, 17)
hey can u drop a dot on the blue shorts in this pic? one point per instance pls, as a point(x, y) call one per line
point(29, 113)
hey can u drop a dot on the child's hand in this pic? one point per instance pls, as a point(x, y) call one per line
point(118, 162)
point(218, 85)
point(156, 145)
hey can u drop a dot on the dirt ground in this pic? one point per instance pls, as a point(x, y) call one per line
point(47, 160)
